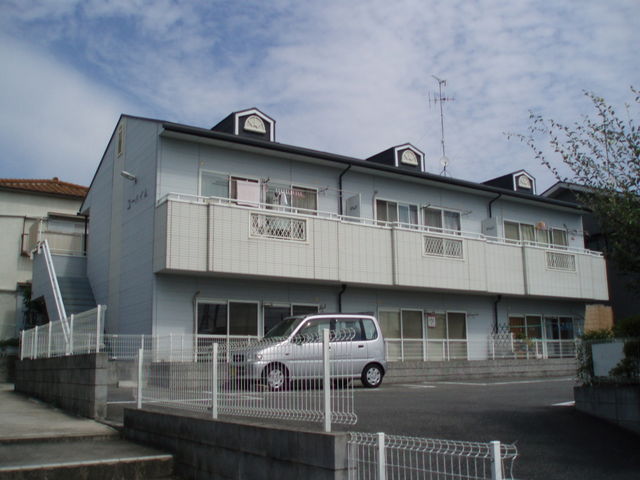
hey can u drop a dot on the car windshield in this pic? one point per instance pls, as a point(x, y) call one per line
point(284, 328)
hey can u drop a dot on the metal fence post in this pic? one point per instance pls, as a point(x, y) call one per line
point(49, 340)
point(21, 344)
point(326, 383)
point(71, 327)
point(214, 381)
point(496, 461)
point(139, 395)
point(34, 350)
point(98, 330)
point(382, 457)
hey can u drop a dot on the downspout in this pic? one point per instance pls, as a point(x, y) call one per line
point(495, 313)
point(491, 204)
point(344, 287)
point(340, 189)
point(194, 301)
point(84, 237)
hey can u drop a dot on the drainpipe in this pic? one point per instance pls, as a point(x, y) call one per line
point(491, 204)
point(84, 237)
point(340, 188)
point(194, 300)
point(495, 313)
point(344, 287)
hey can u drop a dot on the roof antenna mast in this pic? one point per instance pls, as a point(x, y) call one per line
point(440, 99)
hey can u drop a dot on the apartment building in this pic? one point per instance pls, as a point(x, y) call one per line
point(225, 231)
point(33, 210)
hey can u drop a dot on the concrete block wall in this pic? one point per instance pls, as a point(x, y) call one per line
point(211, 449)
point(76, 383)
point(406, 372)
point(616, 403)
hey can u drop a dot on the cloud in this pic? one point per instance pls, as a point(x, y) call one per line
point(347, 77)
point(54, 121)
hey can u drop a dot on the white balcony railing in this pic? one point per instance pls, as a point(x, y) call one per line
point(451, 248)
point(427, 349)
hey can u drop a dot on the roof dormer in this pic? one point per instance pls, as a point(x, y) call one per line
point(520, 181)
point(404, 156)
point(250, 123)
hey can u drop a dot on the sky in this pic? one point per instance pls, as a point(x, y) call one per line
point(346, 77)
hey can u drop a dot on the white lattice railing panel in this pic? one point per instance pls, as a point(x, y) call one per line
point(443, 247)
point(561, 261)
point(274, 226)
point(377, 455)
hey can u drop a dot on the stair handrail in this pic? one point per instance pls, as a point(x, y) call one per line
point(43, 247)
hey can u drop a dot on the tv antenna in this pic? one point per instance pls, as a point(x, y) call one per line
point(440, 99)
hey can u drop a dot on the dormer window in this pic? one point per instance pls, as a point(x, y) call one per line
point(255, 124)
point(250, 123)
point(404, 156)
point(409, 158)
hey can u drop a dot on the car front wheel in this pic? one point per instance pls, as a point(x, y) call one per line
point(276, 378)
point(372, 376)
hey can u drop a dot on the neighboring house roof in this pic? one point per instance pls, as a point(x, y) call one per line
point(44, 186)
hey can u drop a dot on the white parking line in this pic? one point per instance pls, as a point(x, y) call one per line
point(564, 404)
point(514, 382)
point(416, 386)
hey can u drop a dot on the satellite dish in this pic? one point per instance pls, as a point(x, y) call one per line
point(444, 161)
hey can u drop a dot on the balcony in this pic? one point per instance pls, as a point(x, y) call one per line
point(62, 239)
point(212, 235)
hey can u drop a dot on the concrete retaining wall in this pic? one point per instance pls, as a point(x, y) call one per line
point(617, 403)
point(404, 372)
point(210, 449)
point(77, 383)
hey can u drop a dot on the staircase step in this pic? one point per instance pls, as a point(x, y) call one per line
point(87, 459)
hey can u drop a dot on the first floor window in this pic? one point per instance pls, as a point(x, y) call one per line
point(227, 318)
point(275, 313)
point(525, 326)
point(390, 323)
point(212, 318)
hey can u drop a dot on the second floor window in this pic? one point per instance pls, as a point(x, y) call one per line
point(515, 232)
point(438, 219)
point(388, 212)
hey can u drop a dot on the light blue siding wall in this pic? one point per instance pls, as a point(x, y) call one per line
point(120, 249)
point(181, 163)
point(135, 261)
point(98, 202)
point(531, 214)
point(175, 296)
point(472, 208)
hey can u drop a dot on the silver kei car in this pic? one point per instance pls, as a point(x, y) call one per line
point(292, 351)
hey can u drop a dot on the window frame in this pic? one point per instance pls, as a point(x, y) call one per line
point(443, 228)
point(227, 303)
point(387, 223)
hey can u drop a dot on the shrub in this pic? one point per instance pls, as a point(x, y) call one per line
point(628, 327)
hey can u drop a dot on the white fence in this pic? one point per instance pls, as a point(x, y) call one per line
point(50, 340)
point(381, 457)
point(423, 349)
point(309, 379)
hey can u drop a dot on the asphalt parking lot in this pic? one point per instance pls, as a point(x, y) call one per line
point(554, 440)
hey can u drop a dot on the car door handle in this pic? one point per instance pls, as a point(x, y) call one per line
point(360, 346)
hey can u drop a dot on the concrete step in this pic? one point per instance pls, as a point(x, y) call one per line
point(95, 459)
